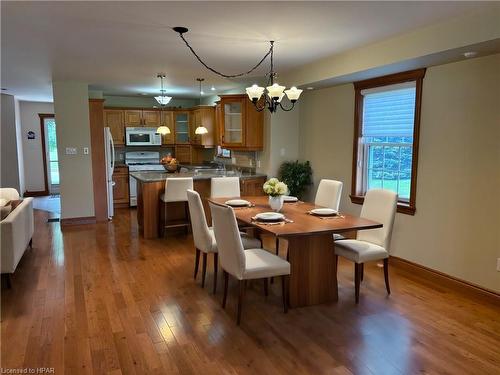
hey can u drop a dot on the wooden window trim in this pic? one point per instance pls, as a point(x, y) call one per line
point(409, 76)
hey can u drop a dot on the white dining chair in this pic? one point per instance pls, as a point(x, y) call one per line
point(328, 195)
point(222, 187)
point(204, 237)
point(373, 244)
point(244, 264)
point(176, 191)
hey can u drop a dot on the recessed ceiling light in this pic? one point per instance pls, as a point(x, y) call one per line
point(470, 54)
point(212, 88)
point(310, 88)
point(202, 92)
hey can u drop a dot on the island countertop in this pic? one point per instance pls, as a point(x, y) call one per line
point(156, 176)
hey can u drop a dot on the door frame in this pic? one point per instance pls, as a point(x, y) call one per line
point(43, 116)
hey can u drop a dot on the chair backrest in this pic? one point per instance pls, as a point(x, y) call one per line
point(328, 194)
point(201, 233)
point(9, 194)
point(222, 187)
point(231, 253)
point(379, 205)
point(176, 188)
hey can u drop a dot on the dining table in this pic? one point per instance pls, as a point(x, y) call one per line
point(311, 248)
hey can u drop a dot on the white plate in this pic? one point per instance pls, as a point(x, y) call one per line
point(324, 212)
point(289, 198)
point(270, 216)
point(237, 203)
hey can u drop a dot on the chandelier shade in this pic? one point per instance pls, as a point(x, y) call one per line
point(163, 100)
point(201, 130)
point(163, 130)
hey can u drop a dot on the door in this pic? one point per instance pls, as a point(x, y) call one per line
point(113, 119)
point(133, 117)
point(151, 118)
point(52, 160)
point(167, 119)
point(233, 117)
point(182, 127)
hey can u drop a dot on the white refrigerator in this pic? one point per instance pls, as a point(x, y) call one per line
point(109, 152)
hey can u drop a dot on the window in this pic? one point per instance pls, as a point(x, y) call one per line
point(387, 120)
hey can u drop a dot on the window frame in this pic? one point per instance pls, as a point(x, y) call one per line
point(358, 168)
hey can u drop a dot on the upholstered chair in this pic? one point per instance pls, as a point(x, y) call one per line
point(222, 187)
point(176, 191)
point(328, 195)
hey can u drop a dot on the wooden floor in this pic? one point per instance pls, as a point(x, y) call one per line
point(97, 299)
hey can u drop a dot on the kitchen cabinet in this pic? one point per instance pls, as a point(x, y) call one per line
point(182, 133)
point(241, 126)
point(113, 119)
point(252, 186)
point(203, 116)
point(167, 119)
point(184, 154)
point(121, 187)
point(139, 117)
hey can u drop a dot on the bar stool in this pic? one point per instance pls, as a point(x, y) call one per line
point(222, 187)
point(176, 191)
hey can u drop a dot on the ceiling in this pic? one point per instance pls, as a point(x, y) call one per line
point(119, 47)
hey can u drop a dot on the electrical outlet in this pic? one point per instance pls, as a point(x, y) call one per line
point(498, 264)
point(71, 151)
point(85, 150)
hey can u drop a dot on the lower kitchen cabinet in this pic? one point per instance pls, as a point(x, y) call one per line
point(121, 188)
point(252, 186)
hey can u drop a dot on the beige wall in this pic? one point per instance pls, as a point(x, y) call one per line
point(456, 227)
point(10, 171)
point(73, 130)
point(32, 148)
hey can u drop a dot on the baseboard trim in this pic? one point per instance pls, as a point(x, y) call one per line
point(78, 220)
point(41, 193)
point(418, 271)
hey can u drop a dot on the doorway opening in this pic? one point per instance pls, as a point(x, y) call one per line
point(49, 149)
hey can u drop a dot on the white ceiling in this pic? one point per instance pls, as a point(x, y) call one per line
point(118, 47)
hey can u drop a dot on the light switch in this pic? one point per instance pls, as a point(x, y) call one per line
point(71, 151)
point(85, 150)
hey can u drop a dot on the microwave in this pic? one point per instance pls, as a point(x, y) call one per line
point(142, 137)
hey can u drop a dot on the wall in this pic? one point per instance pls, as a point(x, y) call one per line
point(73, 130)
point(19, 145)
point(32, 148)
point(146, 102)
point(455, 228)
point(10, 176)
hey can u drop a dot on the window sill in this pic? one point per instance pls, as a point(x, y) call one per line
point(403, 207)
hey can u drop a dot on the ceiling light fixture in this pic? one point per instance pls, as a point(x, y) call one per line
point(163, 100)
point(470, 54)
point(273, 93)
point(212, 88)
point(201, 129)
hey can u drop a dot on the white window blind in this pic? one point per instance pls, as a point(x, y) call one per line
point(389, 111)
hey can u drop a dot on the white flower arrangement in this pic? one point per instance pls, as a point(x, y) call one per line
point(275, 187)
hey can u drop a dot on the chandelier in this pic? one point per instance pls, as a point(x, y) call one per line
point(162, 99)
point(272, 95)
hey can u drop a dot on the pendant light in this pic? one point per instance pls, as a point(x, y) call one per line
point(201, 129)
point(163, 100)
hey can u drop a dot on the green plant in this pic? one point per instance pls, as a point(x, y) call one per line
point(296, 175)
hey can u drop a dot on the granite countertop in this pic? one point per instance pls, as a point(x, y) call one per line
point(155, 176)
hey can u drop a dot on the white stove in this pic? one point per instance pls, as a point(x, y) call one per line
point(141, 161)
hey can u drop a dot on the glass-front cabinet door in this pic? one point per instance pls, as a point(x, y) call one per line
point(181, 127)
point(233, 122)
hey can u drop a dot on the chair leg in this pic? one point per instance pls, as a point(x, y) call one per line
point(266, 288)
point(357, 280)
point(226, 279)
point(165, 219)
point(216, 266)
point(31, 243)
point(362, 271)
point(188, 217)
point(386, 275)
point(284, 292)
point(196, 263)
point(336, 262)
point(277, 249)
point(204, 270)
point(240, 300)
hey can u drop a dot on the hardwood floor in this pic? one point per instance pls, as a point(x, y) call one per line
point(97, 299)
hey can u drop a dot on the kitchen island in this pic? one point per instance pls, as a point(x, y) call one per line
point(151, 184)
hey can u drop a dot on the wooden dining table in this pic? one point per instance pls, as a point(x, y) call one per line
point(311, 253)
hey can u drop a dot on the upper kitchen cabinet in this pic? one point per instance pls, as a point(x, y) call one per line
point(167, 119)
point(113, 119)
point(181, 122)
point(203, 116)
point(139, 117)
point(240, 126)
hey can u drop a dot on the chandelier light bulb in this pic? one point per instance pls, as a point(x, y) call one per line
point(275, 91)
point(255, 92)
point(293, 94)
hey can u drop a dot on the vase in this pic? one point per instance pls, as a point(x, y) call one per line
point(276, 203)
